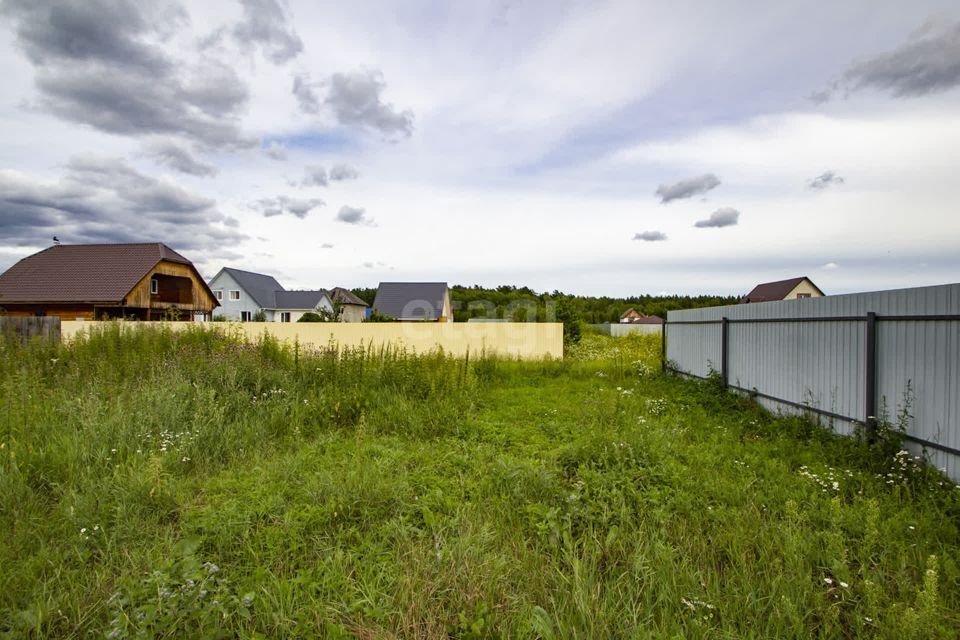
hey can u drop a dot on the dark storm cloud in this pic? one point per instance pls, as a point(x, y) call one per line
point(650, 236)
point(101, 63)
point(341, 172)
point(824, 180)
point(725, 217)
point(354, 215)
point(139, 193)
point(687, 188)
point(928, 62)
point(95, 31)
point(355, 99)
point(264, 25)
point(105, 200)
point(280, 205)
point(178, 156)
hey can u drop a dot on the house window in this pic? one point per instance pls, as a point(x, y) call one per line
point(154, 286)
point(245, 316)
point(234, 294)
point(219, 294)
point(284, 316)
point(802, 295)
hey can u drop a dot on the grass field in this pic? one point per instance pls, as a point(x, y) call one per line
point(192, 486)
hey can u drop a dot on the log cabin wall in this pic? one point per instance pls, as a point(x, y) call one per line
point(174, 291)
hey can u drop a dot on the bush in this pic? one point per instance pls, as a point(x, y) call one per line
point(310, 316)
point(567, 314)
point(376, 316)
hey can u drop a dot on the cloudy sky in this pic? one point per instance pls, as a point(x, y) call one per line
point(588, 146)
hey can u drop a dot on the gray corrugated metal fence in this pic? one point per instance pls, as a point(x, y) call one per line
point(813, 354)
point(618, 330)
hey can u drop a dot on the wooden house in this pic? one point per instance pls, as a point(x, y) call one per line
point(148, 281)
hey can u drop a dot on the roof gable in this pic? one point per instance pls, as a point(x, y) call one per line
point(260, 287)
point(87, 273)
point(339, 295)
point(411, 300)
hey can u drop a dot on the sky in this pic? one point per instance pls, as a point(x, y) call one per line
point(593, 147)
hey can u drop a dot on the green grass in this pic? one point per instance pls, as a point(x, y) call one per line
point(157, 484)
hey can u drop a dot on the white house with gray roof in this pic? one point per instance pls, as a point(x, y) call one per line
point(414, 301)
point(291, 305)
point(242, 294)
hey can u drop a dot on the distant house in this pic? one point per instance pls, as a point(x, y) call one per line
point(147, 281)
point(794, 288)
point(414, 301)
point(244, 294)
point(289, 306)
point(352, 308)
point(631, 316)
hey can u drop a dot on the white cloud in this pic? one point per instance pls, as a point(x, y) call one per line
point(275, 151)
point(354, 216)
point(650, 236)
point(724, 217)
point(559, 134)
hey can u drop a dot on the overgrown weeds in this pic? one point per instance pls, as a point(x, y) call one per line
point(196, 484)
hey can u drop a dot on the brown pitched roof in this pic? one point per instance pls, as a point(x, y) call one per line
point(89, 273)
point(628, 312)
point(339, 295)
point(647, 320)
point(775, 290)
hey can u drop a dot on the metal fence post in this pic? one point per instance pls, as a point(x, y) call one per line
point(870, 377)
point(663, 346)
point(724, 375)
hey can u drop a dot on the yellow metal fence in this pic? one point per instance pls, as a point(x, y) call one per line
point(524, 340)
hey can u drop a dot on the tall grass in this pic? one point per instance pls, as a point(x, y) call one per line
point(197, 484)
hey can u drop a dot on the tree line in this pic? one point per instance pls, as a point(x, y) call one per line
point(524, 304)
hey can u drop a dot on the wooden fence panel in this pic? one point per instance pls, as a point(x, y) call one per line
point(26, 328)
